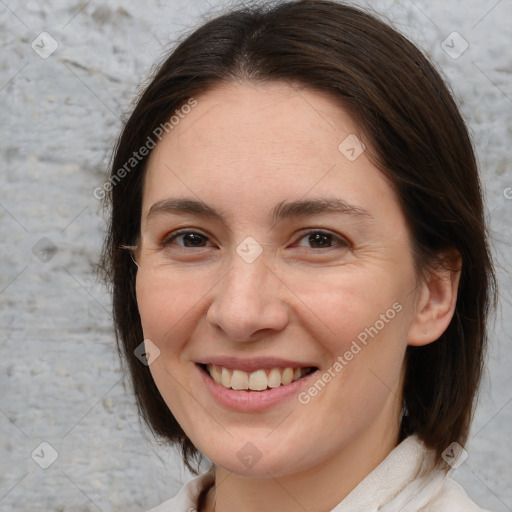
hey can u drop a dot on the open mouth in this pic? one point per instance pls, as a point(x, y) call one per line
point(259, 380)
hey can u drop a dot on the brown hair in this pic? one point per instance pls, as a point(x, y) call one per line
point(417, 138)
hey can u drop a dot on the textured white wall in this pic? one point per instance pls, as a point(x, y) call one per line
point(60, 377)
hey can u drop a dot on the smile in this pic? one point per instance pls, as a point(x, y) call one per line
point(259, 380)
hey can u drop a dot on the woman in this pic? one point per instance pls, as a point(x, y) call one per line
point(301, 277)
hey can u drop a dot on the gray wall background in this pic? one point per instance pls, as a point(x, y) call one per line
point(60, 113)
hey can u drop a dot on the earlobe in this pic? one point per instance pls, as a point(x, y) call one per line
point(436, 300)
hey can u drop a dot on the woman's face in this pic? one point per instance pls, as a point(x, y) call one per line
point(266, 286)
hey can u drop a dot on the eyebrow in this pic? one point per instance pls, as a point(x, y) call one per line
point(283, 210)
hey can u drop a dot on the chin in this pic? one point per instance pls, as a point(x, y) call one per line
point(251, 460)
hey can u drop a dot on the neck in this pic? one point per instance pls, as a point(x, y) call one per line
point(318, 489)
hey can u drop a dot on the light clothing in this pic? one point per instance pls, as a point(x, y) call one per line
point(398, 484)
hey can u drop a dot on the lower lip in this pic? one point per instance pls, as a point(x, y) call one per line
point(252, 401)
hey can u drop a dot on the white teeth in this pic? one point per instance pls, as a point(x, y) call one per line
point(274, 378)
point(216, 375)
point(257, 380)
point(239, 380)
point(287, 376)
point(226, 378)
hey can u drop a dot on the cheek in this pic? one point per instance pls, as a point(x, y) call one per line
point(166, 306)
point(345, 303)
point(360, 320)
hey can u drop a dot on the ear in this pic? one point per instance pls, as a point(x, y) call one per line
point(436, 300)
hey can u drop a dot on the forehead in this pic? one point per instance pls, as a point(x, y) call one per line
point(278, 117)
point(256, 145)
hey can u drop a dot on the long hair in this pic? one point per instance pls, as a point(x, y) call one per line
point(415, 135)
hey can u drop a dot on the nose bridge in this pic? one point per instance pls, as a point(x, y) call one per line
point(248, 298)
point(247, 278)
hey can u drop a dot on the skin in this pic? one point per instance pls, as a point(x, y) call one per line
point(243, 149)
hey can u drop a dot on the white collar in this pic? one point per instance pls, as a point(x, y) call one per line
point(398, 479)
point(400, 482)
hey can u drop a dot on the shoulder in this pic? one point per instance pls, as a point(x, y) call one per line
point(186, 499)
point(413, 485)
point(453, 498)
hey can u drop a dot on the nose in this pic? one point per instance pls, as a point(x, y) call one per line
point(248, 303)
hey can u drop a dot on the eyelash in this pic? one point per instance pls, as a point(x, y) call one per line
point(342, 241)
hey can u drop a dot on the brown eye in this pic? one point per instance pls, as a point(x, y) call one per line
point(189, 238)
point(324, 239)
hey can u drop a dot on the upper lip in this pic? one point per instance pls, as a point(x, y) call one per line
point(253, 364)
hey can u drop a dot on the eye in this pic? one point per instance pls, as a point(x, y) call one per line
point(320, 239)
point(324, 239)
point(190, 239)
